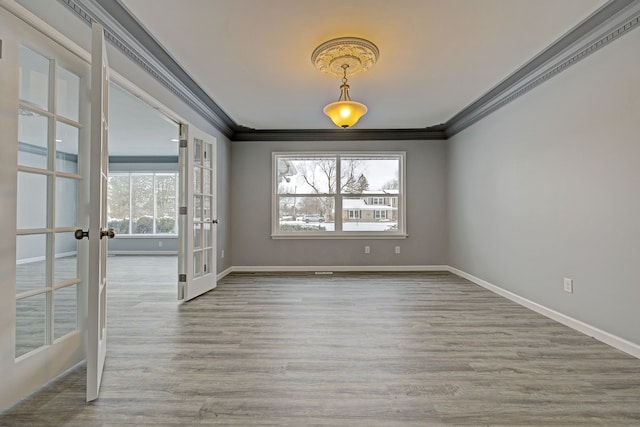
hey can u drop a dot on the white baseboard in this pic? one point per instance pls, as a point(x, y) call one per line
point(613, 340)
point(224, 273)
point(42, 258)
point(336, 268)
point(143, 253)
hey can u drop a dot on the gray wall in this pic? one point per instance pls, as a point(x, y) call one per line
point(547, 188)
point(251, 207)
point(140, 78)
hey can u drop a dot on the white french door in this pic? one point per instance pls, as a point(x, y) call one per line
point(98, 233)
point(197, 213)
point(44, 155)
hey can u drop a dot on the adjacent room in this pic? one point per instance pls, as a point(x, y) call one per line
point(319, 213)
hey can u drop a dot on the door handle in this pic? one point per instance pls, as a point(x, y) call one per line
point(110, 233)
point(214, 221)
point(79, 234)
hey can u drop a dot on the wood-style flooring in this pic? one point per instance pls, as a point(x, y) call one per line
point(391, 349)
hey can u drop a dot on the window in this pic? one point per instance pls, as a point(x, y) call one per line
point(338, 195)
point(48, 281)
point(143, 203)
point(380, 214)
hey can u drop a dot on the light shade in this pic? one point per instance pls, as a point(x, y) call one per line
point(345, 113)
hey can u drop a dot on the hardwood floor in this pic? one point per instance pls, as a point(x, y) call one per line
point(393, 349)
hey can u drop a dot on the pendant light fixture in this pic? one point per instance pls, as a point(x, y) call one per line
point(337, 58)
point(345, 112)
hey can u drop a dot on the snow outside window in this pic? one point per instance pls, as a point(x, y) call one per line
point(142, 203)
point(338, 195)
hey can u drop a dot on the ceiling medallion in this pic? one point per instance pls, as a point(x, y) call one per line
point(358, 54)
point(339, 58)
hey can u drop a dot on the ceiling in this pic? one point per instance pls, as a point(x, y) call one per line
point(252, 57)
point(137, 129)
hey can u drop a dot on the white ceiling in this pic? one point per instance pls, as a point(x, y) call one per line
point(137, 129)
point(252, 57)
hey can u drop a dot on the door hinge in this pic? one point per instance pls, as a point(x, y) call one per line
point(182, 210)
point(182, 277)
point(0, 48)
point(205, 268)
point(183, 143)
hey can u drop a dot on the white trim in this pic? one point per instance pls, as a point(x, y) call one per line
point(142, 252)
point(42, 258)
point(331, 235)
point(341, 268)
point(224, 273)
point(615, 341)
point(338, 197)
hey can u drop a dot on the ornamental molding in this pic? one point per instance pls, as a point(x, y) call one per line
point(607, 24)
point(125, 33)
point(359, 55)
point(610, 22)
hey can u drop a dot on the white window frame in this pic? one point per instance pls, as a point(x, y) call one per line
point(154, 175)
point(400, 233)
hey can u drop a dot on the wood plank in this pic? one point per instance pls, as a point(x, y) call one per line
point(342, 350)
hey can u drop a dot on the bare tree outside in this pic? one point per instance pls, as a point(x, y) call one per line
point(367, 186)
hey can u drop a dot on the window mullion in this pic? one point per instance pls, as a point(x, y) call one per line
point(155, 203)
point(337, 201)
point(130, 205)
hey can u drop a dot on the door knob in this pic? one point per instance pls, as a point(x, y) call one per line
point(79, 234)
point(108, 233)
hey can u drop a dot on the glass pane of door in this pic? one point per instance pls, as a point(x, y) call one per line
point(46, 203)
point(34, 78)
point(33, 139)
point(31, 323)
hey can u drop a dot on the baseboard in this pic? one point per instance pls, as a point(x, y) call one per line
point(615, 341)
point(143, 253)
point(224, 273)
point(332, 268)
point(42, 258)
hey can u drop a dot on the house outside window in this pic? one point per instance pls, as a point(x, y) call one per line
point(338, 195)
point(380, 214)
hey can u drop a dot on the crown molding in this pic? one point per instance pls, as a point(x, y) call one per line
point(127, 35)
point(432, 133)
point(612, 20)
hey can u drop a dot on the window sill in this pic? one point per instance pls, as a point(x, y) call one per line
point(146, 236)
point(339, 236)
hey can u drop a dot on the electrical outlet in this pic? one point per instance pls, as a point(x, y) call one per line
point(397, 250)
point(367, 249)
point(222, 253)
point(568, 285)
point(160, 244)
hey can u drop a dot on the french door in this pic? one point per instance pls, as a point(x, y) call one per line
point(197, 213)
point(44, 156)
point(98, 233)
